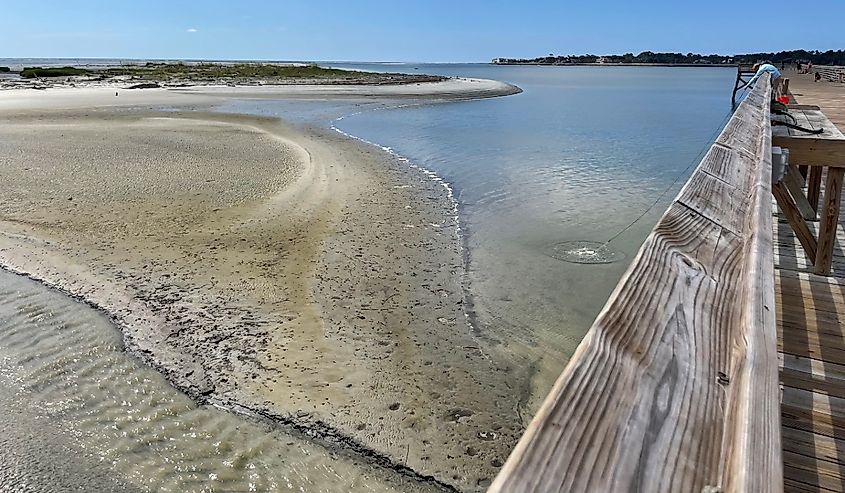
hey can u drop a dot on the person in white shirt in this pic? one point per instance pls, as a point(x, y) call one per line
point(762, 68)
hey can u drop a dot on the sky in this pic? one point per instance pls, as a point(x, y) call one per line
point(411, 31)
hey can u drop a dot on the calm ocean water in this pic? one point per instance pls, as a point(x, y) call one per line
point(578, 156)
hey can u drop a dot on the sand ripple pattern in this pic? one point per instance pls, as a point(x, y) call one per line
point(80, 414)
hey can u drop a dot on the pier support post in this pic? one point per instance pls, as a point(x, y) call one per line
point(829, 220)
point(814, 186)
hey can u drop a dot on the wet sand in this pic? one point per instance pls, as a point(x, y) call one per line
point(82, 415)
point(300, 276)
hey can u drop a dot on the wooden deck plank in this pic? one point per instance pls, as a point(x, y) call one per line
point(790, 246)
point(826, 95)
point(802, 264)
point(814, 296)
point(824, 448)
point(792, 486)
point(812, 471)
point(817, 152)
point(813, 374)
point(819, 325)
point(811, 327)
point(797, 346)
point(813, 411)
point(810, 319)
point(790, 252)
point(784, 232)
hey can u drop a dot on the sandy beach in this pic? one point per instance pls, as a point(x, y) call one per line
point(297, 275)
point(112, 94)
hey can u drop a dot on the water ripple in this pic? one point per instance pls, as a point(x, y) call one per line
point(92, 418)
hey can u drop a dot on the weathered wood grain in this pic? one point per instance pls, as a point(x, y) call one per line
point(796, 220)
point(794, 183)
point(792, 486)
point(813, 411)
point(818, 324)
point(821, 446)
point(811, 374)
point(814, 186)
point(818, 119)
point(752, 442)
point(807, 118)
point(675, 387)
point(812, 471)
point(816, 292)
point(813, 151)
point(829, 220)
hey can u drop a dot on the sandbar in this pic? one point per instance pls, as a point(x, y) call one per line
point(293, 274)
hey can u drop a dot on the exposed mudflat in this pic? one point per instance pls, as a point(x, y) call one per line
point(301, 276)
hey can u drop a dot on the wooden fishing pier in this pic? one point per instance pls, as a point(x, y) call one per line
point(718, 362)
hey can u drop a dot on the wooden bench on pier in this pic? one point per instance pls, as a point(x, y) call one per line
point(675, 387)
point(822, 154)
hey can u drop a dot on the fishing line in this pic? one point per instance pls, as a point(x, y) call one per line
point(678, 176)
point(579, 251)
point(683, 172)
point(594, 252)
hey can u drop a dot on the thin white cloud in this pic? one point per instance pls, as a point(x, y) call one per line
point(191, 30)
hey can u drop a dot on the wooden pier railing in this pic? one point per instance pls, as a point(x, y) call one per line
point(744, 73)
point(675, 386)
point(831, 73)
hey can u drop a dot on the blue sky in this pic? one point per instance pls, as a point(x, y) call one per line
point(399, 30)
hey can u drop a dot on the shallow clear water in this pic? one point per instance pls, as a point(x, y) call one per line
point(80, 414)
point(578, 156)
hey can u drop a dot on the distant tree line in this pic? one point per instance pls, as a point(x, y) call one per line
point(829, 57)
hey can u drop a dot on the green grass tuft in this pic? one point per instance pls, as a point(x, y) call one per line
point(30, 72)
point(179, 72)
point(166, 71)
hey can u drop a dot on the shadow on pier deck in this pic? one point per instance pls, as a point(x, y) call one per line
point(810, 321)
point(811, 338)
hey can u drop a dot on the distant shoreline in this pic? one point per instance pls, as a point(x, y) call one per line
point(701, 65)
point(155, 75)
point(254, 80)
